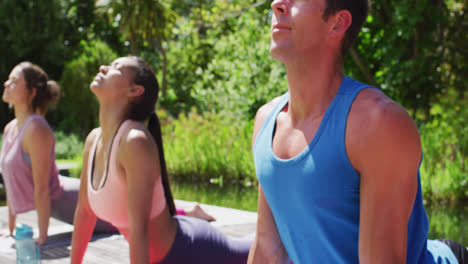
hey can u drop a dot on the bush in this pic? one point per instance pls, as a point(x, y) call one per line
point(208, 148)
point(220, 62)
point(444, 171)
point(32, 30)
point(67, 146)
point(79, 107)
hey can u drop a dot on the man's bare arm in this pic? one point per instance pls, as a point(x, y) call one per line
point(267, 246)
point(384, 147)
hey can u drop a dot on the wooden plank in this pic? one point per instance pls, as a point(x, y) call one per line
point(105, 248)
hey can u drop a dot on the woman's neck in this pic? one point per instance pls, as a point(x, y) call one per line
point(110, 119)
point(22, 112)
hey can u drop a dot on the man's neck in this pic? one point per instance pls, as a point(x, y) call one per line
point(313, 83)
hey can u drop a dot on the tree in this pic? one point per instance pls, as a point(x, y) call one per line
point(146, 24)
point(413, 49)
point(78, 108)
point(31, 30)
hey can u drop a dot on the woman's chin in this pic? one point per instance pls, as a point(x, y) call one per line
point(5, 100)
point(93, 86)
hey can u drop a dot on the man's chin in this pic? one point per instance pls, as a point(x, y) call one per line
point(277, 52)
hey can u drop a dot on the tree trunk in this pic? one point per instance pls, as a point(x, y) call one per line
point(362, 66)
point(164, 66)
point(133, 44)
point(164, 72)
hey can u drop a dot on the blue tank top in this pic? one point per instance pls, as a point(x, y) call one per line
point(314, 197)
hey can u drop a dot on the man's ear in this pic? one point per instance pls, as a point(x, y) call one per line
point(136, 90)
point(341, 21)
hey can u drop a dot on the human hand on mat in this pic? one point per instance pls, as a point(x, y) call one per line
point(4, 232)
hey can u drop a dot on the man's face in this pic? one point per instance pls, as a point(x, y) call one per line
point(297, 27)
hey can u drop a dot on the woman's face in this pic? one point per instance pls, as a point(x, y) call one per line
point(15, 91)
point(114, 80)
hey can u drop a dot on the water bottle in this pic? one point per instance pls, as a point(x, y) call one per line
point(27, 252)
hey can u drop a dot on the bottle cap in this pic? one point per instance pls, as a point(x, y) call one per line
point(23, 231)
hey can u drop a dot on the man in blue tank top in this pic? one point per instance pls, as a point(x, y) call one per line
point(337, 160)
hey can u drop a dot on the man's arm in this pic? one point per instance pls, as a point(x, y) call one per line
point(267, 246)
point(384, 147)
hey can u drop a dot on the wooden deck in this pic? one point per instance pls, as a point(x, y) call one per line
point(112, 248)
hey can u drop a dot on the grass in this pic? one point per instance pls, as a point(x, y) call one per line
point(232, 196)
point(208, 148)
point(449, 221)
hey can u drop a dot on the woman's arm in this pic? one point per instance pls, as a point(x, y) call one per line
point(85, 219)
point(11, 219)
point(38, 142)
point(11, 223)
point(138, 159)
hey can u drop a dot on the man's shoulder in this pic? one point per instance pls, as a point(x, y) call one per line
point(262, 114)
point(377, 124)
point(373, 107)
point(266, 109)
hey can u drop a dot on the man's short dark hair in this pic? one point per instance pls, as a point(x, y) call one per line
point(358, 9)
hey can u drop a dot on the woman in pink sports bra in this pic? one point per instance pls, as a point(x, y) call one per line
point(124, 179)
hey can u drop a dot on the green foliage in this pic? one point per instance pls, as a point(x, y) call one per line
point(444, 172)
point(240, 80)
point(232, 196)
point(69, 149)
point(144, 23)
point(67, 146)
point(412, 49)
point(220, 62)
point(79, 107)
point(448, 221)
point(193, 153)
point(31, 31)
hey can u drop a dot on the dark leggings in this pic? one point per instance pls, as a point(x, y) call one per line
point(460, 252)
point(197, 241)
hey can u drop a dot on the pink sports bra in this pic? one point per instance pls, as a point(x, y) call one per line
point(110, 202)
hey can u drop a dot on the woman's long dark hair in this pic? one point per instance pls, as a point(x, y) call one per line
point(142, 110)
